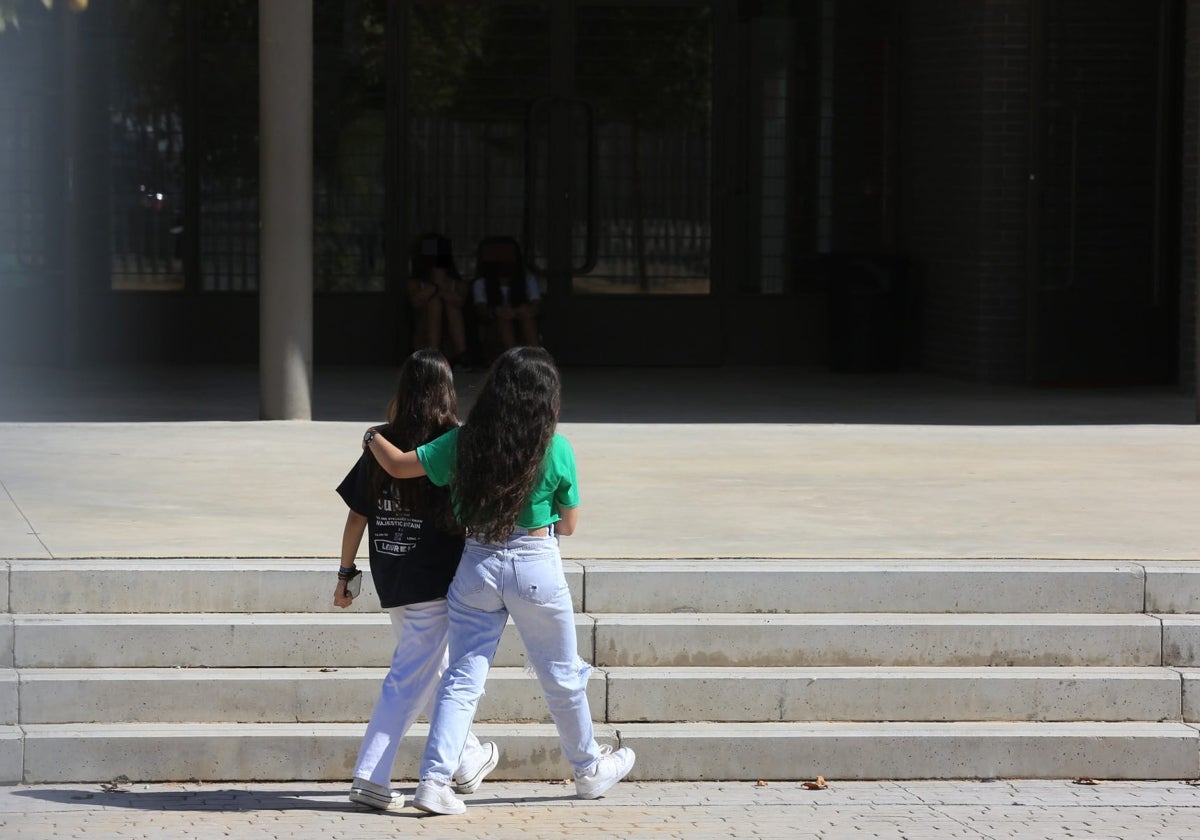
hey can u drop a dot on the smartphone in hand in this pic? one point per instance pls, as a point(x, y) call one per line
point(354, 584)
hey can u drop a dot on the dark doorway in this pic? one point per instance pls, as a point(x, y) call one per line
point(1103, 226)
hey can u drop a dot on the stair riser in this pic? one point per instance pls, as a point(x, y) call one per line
point(885, 588)
point(1181, 641)
point(227, 642)
point(622, 695)
point(210, 586)
point(9, 697)
point(1172, 588)
point(12, 755)
point(762, 697)
point(917, 756)
point(765, 645)
point(215, 698)
point(694, 752)
point(1191, 696)
point(103, 586)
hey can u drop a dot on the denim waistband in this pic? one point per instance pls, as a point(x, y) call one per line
point(524, 532)
point(517, 534)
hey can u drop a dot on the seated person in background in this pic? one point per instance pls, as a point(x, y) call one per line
point(437, 293)
point(507, 297)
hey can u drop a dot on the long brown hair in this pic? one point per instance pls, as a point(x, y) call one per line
point(503, 443)
point(425, 406)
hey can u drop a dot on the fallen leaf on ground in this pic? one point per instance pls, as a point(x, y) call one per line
point(760, 783)
point(1084, 780)
point(818, 784)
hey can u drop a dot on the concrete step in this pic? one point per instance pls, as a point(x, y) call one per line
point(894, 694)
point(1191, 694)
point(297, 585)
point(302, 640)
point(616, 695)
point(634, 585)
point(1172, 586)
point(9, 696)
point(687, 751)
point(1181, 640)
point(844, 586)
point(897, 639)
point(252, 695)
point(613, 640)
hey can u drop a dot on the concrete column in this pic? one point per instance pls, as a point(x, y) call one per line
point(285, 291)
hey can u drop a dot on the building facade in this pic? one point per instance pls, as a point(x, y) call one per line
point(997, 190)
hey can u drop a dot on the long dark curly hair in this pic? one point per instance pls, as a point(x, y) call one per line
point(503, 443)
point(425, 407)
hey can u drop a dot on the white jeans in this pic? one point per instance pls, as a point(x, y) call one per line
point(522, 578)
point(408, 689)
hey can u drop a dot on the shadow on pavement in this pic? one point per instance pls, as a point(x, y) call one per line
point(594, 395)
point(242, 800)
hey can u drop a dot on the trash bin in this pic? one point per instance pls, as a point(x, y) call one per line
point(866, 313)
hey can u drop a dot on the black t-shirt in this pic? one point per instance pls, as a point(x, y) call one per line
point(413, 558)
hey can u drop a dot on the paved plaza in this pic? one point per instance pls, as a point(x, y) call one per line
point(690, 811)
point(677, 464)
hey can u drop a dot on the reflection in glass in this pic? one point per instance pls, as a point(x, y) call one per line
point(646, 70)
point(348, 145)
point(473, 69)
point(146, 146)
point(24, 149)
point(225, 109)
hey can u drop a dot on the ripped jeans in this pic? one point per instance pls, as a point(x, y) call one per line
point(523, 578)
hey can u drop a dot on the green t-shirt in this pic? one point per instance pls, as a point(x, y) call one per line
point(556, 485)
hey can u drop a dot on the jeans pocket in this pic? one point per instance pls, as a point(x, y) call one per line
point(540, 581)
point(470, 579)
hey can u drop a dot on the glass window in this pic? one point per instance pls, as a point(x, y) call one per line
point(224, 92)
point(146, 146)
point(646, 71)
point(24, 145)
point(473, 70)
point(348, 145)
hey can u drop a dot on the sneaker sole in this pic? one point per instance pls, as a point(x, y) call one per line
point(430, 809)
point(379, 802)
point(472, 784)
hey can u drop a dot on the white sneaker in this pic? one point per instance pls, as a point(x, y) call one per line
point(609, 769)
point(375, 796)
point(437, 798)
point(469, 781)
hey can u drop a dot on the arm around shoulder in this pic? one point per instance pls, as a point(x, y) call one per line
point(396, 463)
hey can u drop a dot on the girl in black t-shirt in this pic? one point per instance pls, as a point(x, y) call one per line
point(414, 549)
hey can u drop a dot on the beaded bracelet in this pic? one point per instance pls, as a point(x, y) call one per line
point(345, 573)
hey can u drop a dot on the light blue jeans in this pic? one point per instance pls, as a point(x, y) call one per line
point(408, 689)
point(522, 578)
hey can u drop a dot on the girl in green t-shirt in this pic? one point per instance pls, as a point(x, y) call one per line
point(513, 487)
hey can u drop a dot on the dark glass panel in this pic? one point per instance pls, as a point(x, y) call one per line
point(474, 68)
point(25, 146)
point(348, 145)
point(225, 95)
point(646, 70)
point(146, 140)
